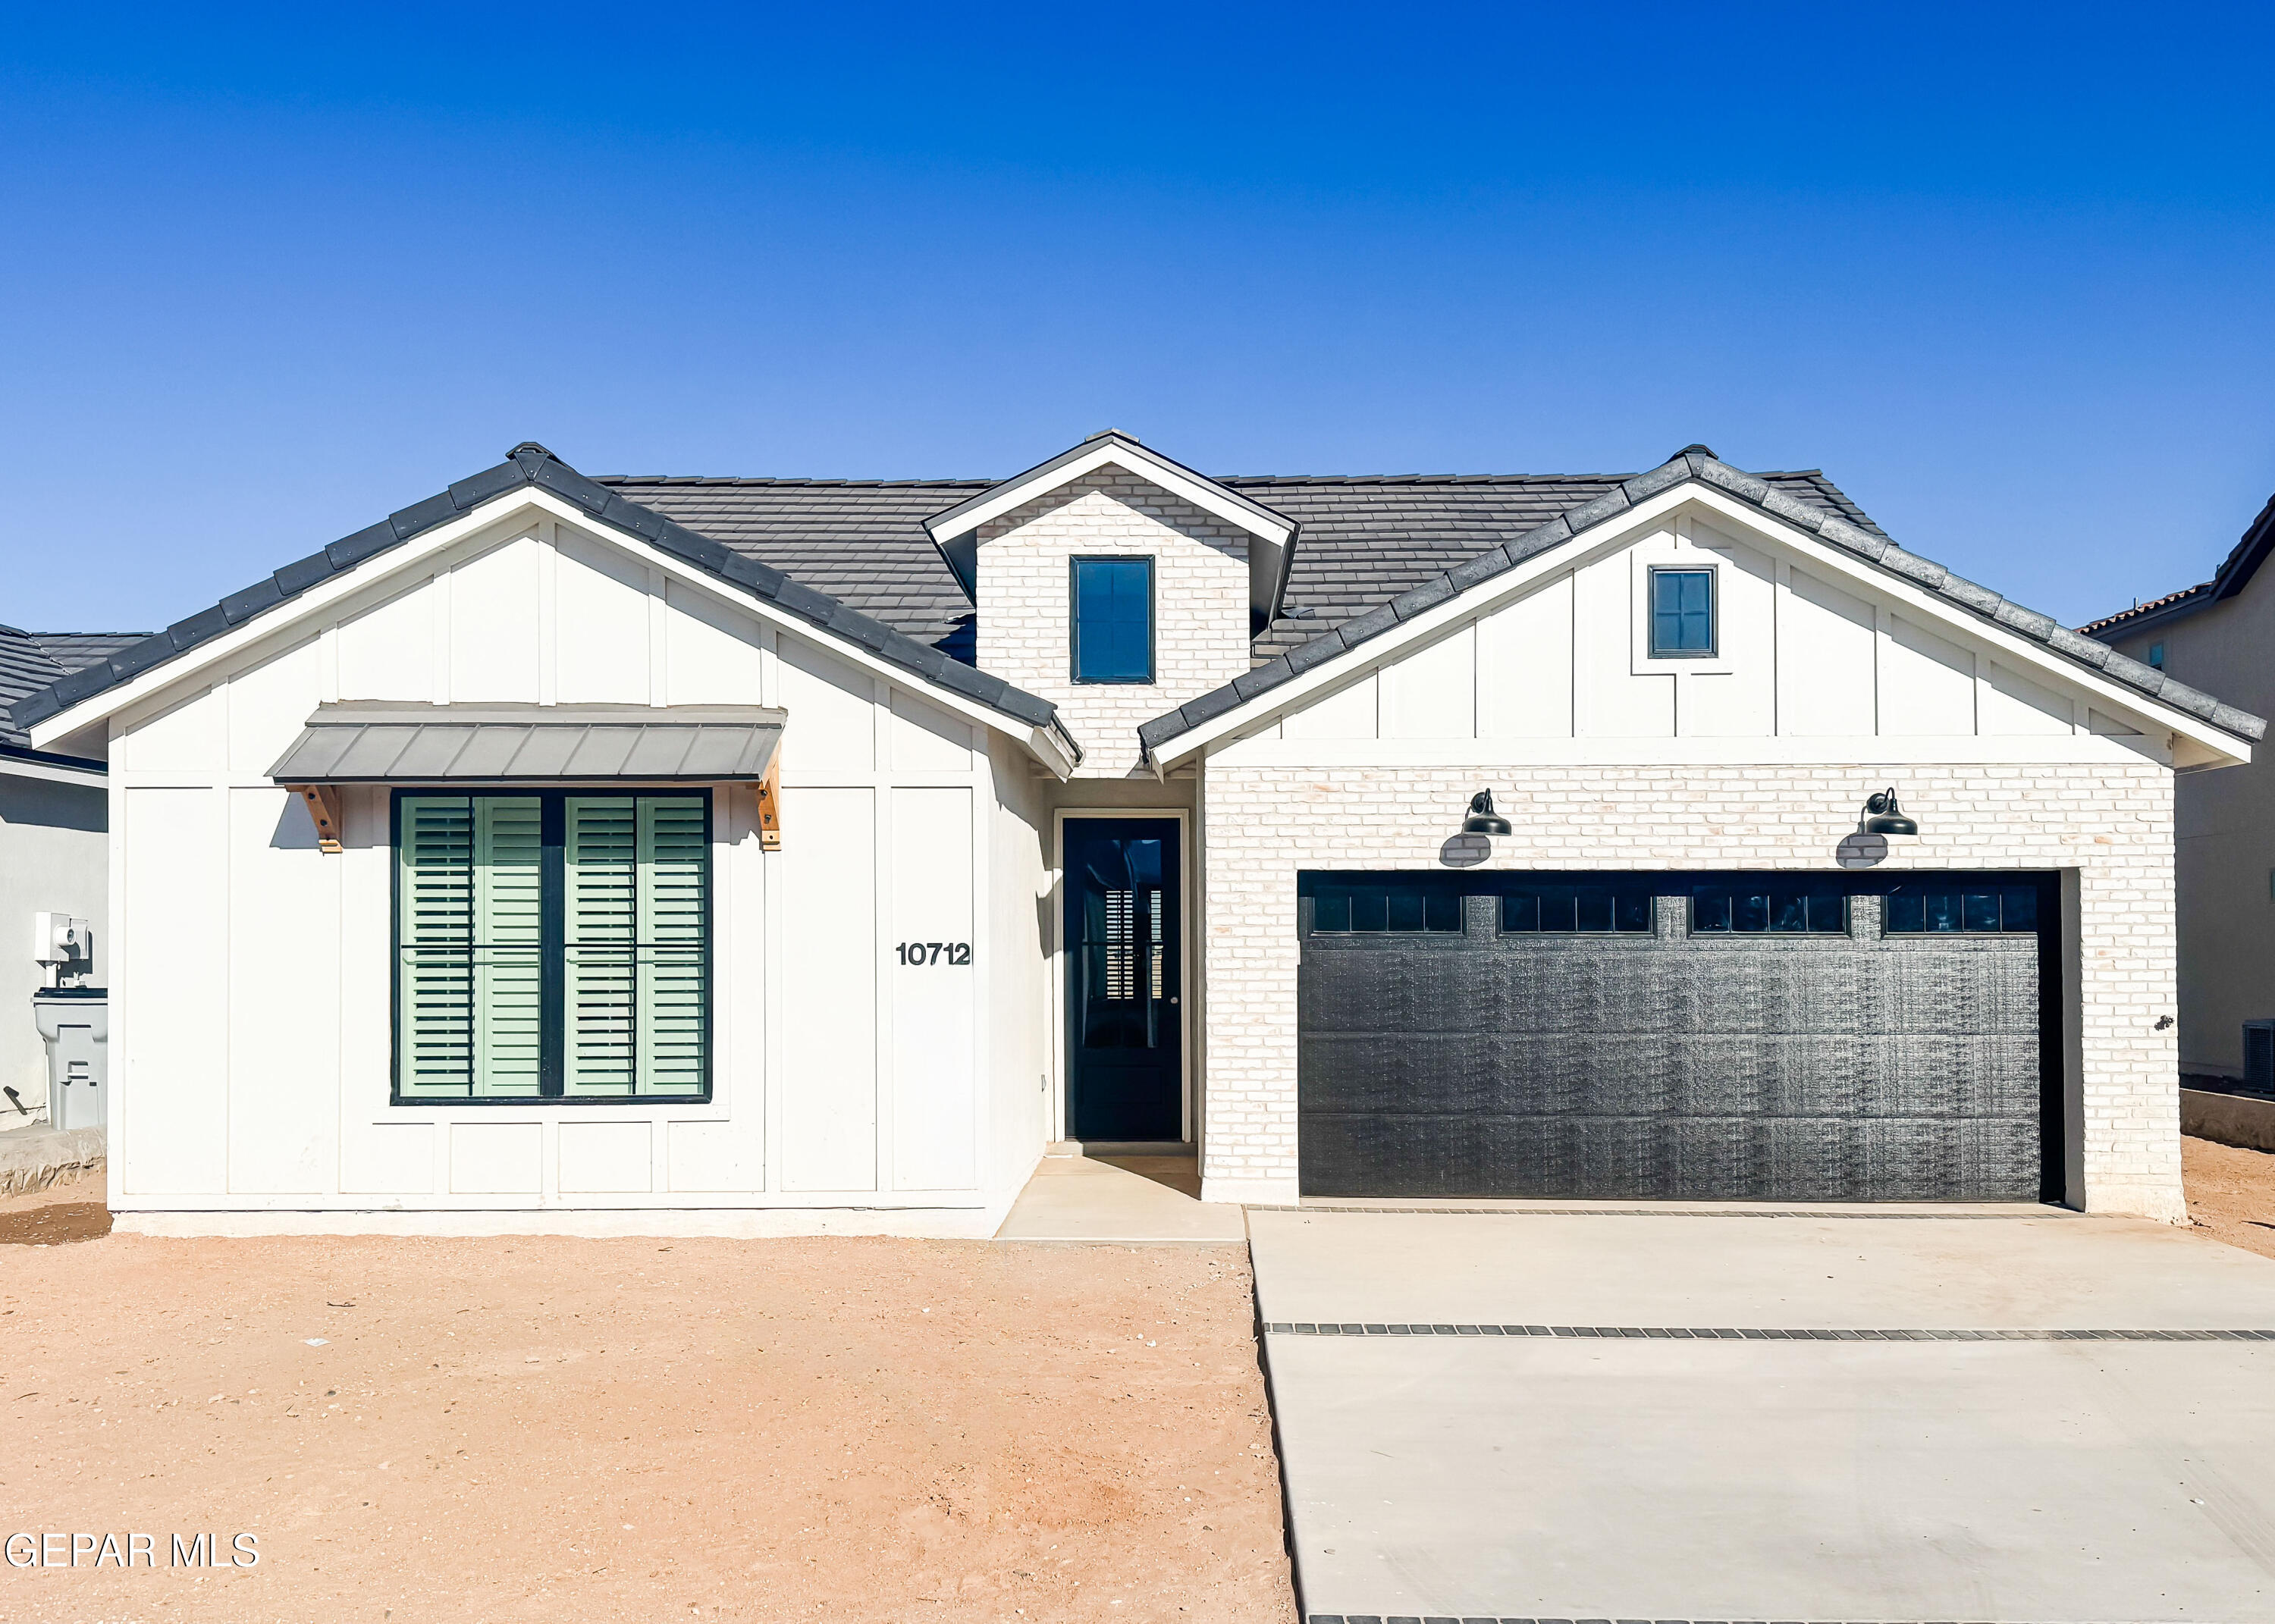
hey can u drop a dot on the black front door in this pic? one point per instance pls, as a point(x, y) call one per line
point(1124, 1021)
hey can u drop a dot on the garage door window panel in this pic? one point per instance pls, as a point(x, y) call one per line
point(1576, 909)
point(1769, 907)
point(1405, 908)
point(1939, 910)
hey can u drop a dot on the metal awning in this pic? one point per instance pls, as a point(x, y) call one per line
point(369, 743)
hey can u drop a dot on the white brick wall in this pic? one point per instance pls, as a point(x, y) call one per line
point(2113, 824)
point(1200, 605)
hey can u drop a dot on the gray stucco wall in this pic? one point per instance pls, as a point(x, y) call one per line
point(2224, 833)
point(53, 855)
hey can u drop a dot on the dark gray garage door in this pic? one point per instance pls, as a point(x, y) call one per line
point(1790, 1037)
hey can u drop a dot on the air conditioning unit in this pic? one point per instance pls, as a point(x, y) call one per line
point(2259, 1056)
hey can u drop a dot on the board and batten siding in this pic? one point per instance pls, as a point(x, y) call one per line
point(252, 973)
point(1800, 656)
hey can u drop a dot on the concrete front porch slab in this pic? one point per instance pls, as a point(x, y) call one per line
point(1129, 1200)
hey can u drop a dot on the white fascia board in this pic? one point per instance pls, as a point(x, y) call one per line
point(1616, 533)
point(501, 513)
point(53, 772)
point(1204, 493)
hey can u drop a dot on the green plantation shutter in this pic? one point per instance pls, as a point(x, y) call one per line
point(508, 938)
point(674, 909)
point(637, 902)
point(602, 838)
point(435, 905)
point(629, 934)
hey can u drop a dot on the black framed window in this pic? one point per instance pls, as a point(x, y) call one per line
point(1932, 908)
point(1575, 909)
point(1388, 903)
point(1112, 620)
point(552, 945)
point(1682, 614)
point(1755, 907)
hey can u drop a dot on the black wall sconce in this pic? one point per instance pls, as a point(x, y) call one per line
point(1483, 819)
point(1883, 816)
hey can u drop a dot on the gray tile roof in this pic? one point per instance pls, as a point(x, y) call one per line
point(1364, 540)
point(863, 541)
point(1814, 506)
point(30, 660)
point(530, 463)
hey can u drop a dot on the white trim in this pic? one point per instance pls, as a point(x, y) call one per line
point(54, 773)
point(418, 557)
point(2196, 742)
point(947, 1223)
point(1204, 493)
point(1189, 1078)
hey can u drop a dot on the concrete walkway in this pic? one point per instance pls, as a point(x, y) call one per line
point(1125, 1200)
point(1568, 1437)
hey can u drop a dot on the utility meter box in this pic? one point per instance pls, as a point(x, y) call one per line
point(74, 1021)
point(64, 944)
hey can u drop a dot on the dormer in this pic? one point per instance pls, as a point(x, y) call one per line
point(1117, 583)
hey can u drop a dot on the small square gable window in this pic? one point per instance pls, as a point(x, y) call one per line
point(1113, 620)
point(1683, 614)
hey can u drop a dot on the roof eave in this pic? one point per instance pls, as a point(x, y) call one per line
point(534, 474)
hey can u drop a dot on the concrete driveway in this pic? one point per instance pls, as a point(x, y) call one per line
point(1864, 1416)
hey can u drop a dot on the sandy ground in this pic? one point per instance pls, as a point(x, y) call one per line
point(2231, 1194)
point(544, 1429)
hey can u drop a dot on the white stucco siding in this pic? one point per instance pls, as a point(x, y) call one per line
point(2225, 830)
point(2109, 823)
point(253, 972)
point(1200, 605)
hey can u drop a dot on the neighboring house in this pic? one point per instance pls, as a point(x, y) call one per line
point(749, 855)
point(2219, 634)
point(54, 857)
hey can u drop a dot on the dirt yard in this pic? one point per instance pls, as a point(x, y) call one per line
point(545, 1430)
point(2231, 1194)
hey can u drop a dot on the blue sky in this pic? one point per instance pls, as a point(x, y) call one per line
point(2004, 272)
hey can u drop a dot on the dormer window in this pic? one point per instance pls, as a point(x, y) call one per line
point(1112, 629)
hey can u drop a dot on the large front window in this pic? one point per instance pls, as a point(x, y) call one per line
point(552, 945)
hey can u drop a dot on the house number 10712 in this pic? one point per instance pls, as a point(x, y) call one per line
point(934, 952)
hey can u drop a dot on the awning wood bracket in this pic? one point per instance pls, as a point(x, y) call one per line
point(770, 804)
point(323, 804)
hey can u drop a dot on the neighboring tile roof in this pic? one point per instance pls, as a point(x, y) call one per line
point(2233, 576)
point(1814, 512)
point(30, 660)
point(2156, 608)
point(530, 463)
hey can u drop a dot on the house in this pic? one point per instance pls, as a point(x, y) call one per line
point(2218, 633)
point(53, 854)
point(749, 856)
